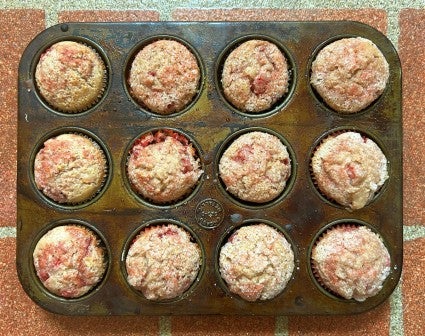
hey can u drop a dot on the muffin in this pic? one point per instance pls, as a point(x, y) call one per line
point(351, 261)
point(163, 166)
point(164, 77)
point(69, 260)
point(255, 167)
point(349, 169)
point(162, 262)
point(256, 262)
point(70, 168)
point(70, 76)
point(255, 76)
point(349, 74)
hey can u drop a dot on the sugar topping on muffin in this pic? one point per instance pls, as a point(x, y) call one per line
point(255, 167)
point(349, 74)
point(255, 76)
point(163, 261)
point(70, 168)
point(164, 76)
point(163, 166)
point(352, 262)
point(256, 262)
point(70, 76)
point(349, 168)
point(69, 260)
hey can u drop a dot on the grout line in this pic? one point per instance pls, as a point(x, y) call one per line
point(281, 326)
point(413, 232)
point(8, 232)
point(396, 307)
point(164, 326)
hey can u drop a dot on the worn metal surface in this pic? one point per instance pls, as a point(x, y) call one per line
point(210, 213)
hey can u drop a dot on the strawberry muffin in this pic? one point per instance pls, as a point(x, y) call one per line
point(163, 166)
point(162, 262)
point(69, 260)
point(351, 261)
point(70, 168)
point(349, 168)
point(256, 262)
point(349, 74)
point(255, 76)
point(164, 77)
point(70, 76)
point(255, 167)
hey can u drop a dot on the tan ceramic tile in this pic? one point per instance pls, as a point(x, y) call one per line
point(17, 29)
point(374, 322)
point(222, 325)
point(374, 17)
point(21, 316)
point(412, 54)
point(108, 16)
point(414, 287)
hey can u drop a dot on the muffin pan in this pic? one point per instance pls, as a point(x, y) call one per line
point(116, 213)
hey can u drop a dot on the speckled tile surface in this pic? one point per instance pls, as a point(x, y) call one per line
point(107, 16)
point(403, 314)
point(373, 17)
point(414, 287)
point(21, 316)
point(222, 325)
point(374, 322)
point(412, 54)
point(15, 37)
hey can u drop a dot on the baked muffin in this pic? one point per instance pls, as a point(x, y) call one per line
point(349, 169)
point(70, 168)
point(164, 77)
point(255, 76)
point(351, 261)
point(163, 166)
point(69, 260)
point(70, 76)
point(255, 167)
point(256, 262)
point(349, 74)
point(162, 262)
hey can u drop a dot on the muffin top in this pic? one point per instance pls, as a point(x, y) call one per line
point(351, 261)
point(256, 262)
point(255, 76)
point(164, 76)
point(349, 168)
point(163, 262)
point(163, 166)
point(349, 74)
point(70, 168)
point(255, 167)
point(69, 260)
point(70, 76)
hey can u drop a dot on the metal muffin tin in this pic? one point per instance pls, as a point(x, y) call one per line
point(116, 213)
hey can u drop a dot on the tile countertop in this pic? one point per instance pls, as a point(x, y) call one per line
point(402, 314)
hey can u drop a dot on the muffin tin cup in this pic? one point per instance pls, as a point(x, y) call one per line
point(292, 71)
point(106, 77)
point(335, 132)
point(222, 283)
point(289, 183)
point(345, 223)
point(180, 200)
point(372, 106)
point(139, 47)
point(107, 174)
point(209, 213)
point(157, 223)
point(102, 243)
